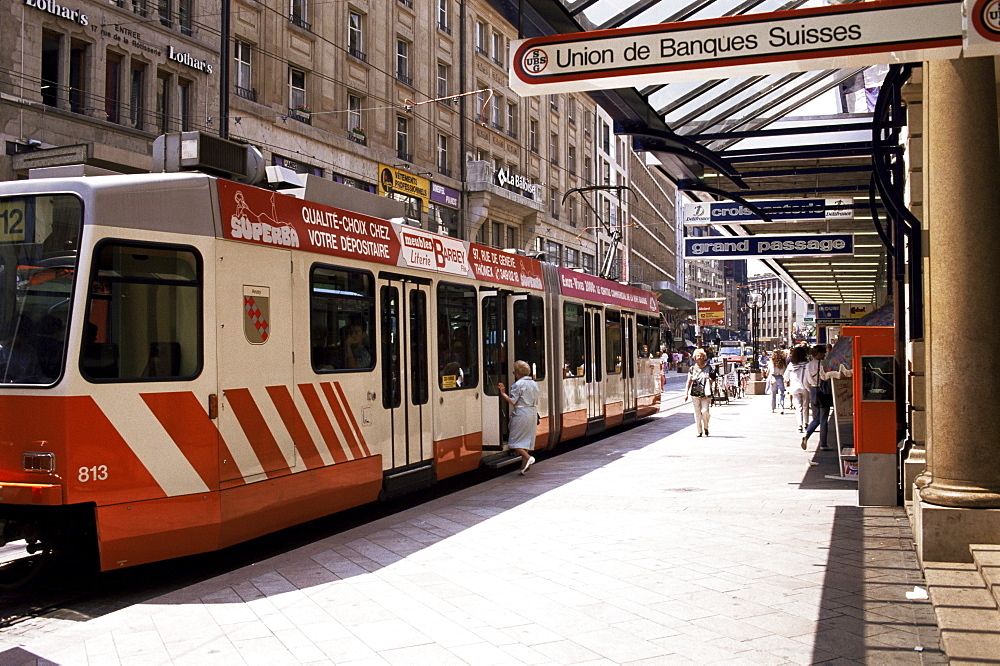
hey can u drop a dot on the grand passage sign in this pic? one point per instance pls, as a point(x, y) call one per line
point(865, 33)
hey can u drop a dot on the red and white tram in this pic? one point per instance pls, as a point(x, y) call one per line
point(187, 362)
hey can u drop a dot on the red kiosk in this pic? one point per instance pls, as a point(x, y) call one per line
point(875, 413)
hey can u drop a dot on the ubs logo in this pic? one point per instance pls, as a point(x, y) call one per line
point(535, 61)
point(986, 19)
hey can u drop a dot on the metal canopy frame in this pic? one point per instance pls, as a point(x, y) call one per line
point(737, 139)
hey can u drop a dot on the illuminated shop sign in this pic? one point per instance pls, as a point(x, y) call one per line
point(54, 8)
point(741, 247)
point(188, 60)
point(722, 212)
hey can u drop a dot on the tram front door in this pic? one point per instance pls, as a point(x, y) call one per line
point(628, 364)
point(405, 385)
point(496, 368)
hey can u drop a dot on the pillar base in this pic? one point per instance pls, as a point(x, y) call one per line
point(944, 534)
point(913, 466)
point(757, 387)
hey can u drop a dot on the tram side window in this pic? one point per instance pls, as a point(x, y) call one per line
point(458, 365)
point(143, 314)
point(651, 341)
point(341, 312)
point(613, 342)
point(573, 356)
point(529, 334)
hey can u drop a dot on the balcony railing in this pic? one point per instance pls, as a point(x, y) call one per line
point(403, 78)
point(444, 171)
point(245, 93)
point(354, 53)
point(403, 155)
point(297, 20)
point(300, 115)
point(443, 27)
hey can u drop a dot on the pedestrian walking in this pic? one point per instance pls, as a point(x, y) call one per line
point(700, 379)
point(776, 379)
point(523, 400)
point(795, 379)
point(820, 398)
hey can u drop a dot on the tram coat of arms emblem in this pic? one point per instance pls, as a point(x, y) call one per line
point(257, 314)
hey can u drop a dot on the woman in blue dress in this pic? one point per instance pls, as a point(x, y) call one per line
point(523, 400)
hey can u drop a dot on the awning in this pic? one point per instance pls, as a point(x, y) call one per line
point(672, 298)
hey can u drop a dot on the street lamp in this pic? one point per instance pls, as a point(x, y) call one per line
point(754, 300)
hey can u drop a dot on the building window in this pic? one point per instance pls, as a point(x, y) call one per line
point(512, 119)
point(554, 102)
point(298, 14)
point(443, 23)
point(571, 110)
point(442, 81)
point(184, 103)
point(297, 106)
point(242, 84)
point(587, 168)
point(77, 76)
point(533, 135)
point(403, 61)
point(495, 118)
point(403, 139)
point(554, 202)
point(355, 126)
point(572, 214)
point(442, 154)
point(50, 67)
point(606, 137)
point(480, 37)
point(554, 149)
point(553, 252)
point(355, 36)
point(571, 160)
point(136, 92)
point(572, 258)
point(496, 47)
point(588, 263)
point(112, 86)
point(162, 102)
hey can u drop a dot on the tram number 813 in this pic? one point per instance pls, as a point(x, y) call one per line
point(95, 473)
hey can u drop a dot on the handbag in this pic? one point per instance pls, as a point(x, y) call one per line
point(697, 388)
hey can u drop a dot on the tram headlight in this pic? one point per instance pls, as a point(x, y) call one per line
point(44, 463)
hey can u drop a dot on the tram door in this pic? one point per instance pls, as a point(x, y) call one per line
point(628, 361)
point(497, 367)
point(593, 328)
point(403, 351)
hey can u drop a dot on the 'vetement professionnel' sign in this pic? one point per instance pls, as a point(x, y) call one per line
point(730, 212)
point(741, 247)
point(833, 37)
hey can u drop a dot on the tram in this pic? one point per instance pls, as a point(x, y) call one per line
point(188, 362)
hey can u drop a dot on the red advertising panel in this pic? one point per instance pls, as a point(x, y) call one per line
point(581, 285)
point(259, 216)
point(711, 312)
point(505, 268)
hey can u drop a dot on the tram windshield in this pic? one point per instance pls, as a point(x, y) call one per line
point(39, 236)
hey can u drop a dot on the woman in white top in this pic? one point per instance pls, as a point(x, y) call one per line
point(796, 377)
point(776, 379)
point(699, 389)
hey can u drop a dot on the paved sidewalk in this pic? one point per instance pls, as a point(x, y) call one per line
point(648, 547)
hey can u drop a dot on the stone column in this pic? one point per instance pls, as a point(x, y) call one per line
point(963, 200)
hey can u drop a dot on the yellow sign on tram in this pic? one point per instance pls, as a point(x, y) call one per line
point(13, 222)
